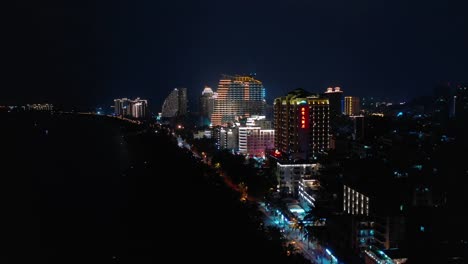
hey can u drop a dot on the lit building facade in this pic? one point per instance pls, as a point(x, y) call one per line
point(237, 97)
point(301, 123)
point(373, 255)
point(352, 105)
point(290, 175)
point(255, 140)
point(183, 101)
point(379, 223)
point(175, 104)
point(354, 202)
point(40, 107)
point(139, 108)
point(226, 138)
point(125, 107)
point(256, 136)
point(307, 188)
point(335, 97)
point(207, 101)
point(121, 107)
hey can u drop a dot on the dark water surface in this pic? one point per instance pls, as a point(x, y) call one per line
point(66, 195)
point(89, 189)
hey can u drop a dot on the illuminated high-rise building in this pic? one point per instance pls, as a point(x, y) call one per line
point(207, 101)
point(238, 96)
point(175, 104)
point(130, 108)
point(121, 107)
point(139, 108)
point(118, 107)
point(335, 97)
point(301, 123)
point(183, 101)
point(352, 105)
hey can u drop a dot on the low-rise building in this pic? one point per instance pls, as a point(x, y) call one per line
point(226, 137)
point(290, 174)
point(256, 137)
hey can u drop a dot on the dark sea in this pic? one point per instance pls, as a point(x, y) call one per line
point(92, 189)
point(65, 191)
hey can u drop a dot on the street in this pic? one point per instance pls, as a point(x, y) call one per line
point(311, 250)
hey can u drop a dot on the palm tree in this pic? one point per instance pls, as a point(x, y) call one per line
point(301, 227)
point(291, 249)
point(316, 214)
point(295, 224)
point(307, 236)
point(309, 214)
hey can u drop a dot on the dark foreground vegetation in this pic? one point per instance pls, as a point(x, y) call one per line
point(88, 189)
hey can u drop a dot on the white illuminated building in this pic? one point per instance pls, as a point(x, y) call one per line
point(207, 102)
point(131, 108)
point(254, 140)
point(175, 103)
point(354, 202)
point(139, 108)
point(228, 138)
point(202, 134)
point(306, 187)
point(40, 107)
point(291, 174)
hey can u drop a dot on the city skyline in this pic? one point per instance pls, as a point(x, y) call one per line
point(292, 132)
point(93, 53)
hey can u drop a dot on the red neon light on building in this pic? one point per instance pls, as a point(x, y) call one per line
point(304, 117)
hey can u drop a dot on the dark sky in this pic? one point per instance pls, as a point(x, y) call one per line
point(86, 53)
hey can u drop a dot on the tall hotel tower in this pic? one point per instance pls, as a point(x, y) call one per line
point(301, 123)
point(175, 104)
point(335, 96)
point(207, 102)
point(352, 106)
point(238, 96)
point(125, 107)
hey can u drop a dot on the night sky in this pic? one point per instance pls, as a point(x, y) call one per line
point(84, 53)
